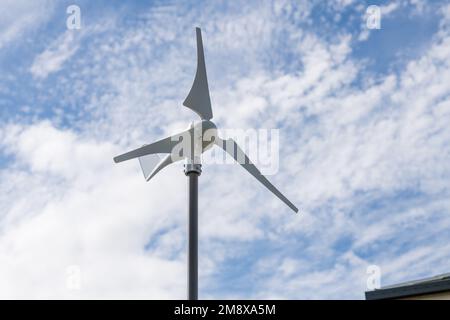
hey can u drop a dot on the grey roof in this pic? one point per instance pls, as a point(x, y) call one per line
point(430, 285)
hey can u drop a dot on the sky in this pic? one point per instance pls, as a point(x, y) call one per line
point(364, 147)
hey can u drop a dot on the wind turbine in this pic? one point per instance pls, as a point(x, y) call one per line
point(189, 145)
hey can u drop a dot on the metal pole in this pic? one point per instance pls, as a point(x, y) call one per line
point(193, 171)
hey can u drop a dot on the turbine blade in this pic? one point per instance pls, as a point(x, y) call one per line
point(198, 98)
point(232, 148)
point(166, 145)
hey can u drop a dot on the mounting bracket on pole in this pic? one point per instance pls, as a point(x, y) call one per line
point(193, 162)
point(192, 168)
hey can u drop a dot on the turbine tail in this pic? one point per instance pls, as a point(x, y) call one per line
point(167, 160)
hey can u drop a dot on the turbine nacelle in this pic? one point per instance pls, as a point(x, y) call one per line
point(198, 138)
point(204, 135)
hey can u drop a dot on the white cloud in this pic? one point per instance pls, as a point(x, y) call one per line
point(107, 241)
point(18, 17)
point(63, 194)
point(53, 58)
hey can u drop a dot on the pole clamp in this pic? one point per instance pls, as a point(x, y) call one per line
point(192, 168)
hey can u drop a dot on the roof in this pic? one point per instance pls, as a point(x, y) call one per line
point(434, 284)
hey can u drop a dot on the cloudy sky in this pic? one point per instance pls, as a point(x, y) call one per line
point(363, 118)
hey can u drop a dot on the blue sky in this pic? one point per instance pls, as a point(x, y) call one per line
point(364, 147)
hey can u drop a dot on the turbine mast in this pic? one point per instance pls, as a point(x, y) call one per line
point(192, 171)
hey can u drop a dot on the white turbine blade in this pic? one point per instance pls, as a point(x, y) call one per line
point(162, 146)
point(198, 98)
point(232, 148)
point(166, 145)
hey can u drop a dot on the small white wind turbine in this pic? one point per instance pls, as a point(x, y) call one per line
point(189, 145)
